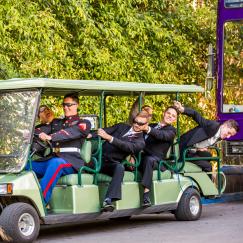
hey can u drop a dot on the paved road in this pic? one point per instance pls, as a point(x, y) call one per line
point(219, 223)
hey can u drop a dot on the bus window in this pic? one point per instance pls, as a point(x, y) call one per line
point(233, 3)
point(233, 67)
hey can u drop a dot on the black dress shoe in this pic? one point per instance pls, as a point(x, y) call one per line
point(146, 202)
point(107, 207)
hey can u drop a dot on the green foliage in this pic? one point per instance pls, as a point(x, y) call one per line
point(131, 40)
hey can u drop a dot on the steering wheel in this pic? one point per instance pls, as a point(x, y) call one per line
point(42, 149)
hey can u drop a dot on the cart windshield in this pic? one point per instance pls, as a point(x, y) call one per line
point(17, 116)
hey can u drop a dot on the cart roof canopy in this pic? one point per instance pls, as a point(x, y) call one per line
point(95, 87)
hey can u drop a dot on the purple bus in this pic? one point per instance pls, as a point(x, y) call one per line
point(229, 91)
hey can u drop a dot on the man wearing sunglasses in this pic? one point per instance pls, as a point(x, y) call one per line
point(121, 140)
point(158, 139)
point(66, 136)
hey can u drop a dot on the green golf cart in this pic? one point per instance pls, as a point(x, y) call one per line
point(78, 197)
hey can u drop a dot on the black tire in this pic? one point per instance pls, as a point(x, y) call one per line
point(190, 206)
point(19, 222)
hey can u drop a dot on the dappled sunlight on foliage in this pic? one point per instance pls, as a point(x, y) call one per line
point(132, 40)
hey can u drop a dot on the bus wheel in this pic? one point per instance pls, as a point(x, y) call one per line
point(19, 222)
point(190, 206)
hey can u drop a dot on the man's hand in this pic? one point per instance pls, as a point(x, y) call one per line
point(43, 136)
point(145, 128)
point(104, 134)
point(202, 149)
point(179, 106)
point(89, 135)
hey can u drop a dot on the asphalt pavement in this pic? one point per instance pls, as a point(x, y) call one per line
point(219, 223)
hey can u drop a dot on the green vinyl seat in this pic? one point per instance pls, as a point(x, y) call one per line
point(72, 179)
point(87, 179)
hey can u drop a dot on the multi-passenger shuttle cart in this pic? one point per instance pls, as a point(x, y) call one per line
point(78, 197)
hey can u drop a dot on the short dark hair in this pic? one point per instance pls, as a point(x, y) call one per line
point(74, 96)
point(147, 106)
point(172, 107)
point(143, 114)
point(233, 124)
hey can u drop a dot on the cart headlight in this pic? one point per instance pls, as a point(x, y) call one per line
point(6, 189)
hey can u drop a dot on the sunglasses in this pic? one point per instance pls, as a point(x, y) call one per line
point(68, 104)
point(42, 109)
point(139, 123)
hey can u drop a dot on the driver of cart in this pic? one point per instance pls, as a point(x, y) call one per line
point(66, 137)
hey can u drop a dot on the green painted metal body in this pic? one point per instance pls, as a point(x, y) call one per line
point(75, 199)
point(207, 187)
point(86, 199)
point(25, 184)
point(170, 190)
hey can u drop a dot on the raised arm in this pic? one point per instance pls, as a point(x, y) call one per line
point(163, 135)
point(198, 118)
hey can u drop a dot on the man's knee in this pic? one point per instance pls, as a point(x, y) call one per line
point(120, 168)
point(56, 162)
point(148, 162)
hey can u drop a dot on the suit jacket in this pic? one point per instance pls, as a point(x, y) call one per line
point(205, 129)
point(68, 132)
point(121, 146)
point(159, 140)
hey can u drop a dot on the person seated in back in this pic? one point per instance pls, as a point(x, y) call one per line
point(158, 139)
point(41, 153)
point(66, 136)
point(135, 109)
point(45, 114)
point(121, 140)
point(149, 110)
point(206, 134)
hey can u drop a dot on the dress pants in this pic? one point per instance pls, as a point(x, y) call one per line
point(116, 171)
point(50, 171)
point(204, 164)
point(148, 164)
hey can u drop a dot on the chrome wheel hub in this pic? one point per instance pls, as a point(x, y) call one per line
point(194, 205)
point(26, 224)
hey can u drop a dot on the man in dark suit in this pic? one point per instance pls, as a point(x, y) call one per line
point(159, 137)
point(121, 141)
point(206, 134)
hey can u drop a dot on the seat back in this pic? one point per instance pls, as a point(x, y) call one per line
point(173, 150)
point(85, 151)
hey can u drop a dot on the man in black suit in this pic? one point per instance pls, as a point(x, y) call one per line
point(206, 134)
point(158, 139)
point(121, 141)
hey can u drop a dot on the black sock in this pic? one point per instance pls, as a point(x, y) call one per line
point(146, 195)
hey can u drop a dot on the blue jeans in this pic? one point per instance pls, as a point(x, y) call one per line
point(50, 171)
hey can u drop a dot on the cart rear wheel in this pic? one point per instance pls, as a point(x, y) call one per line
point(190, 206)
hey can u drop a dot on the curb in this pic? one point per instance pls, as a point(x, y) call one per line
point(227, 197)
